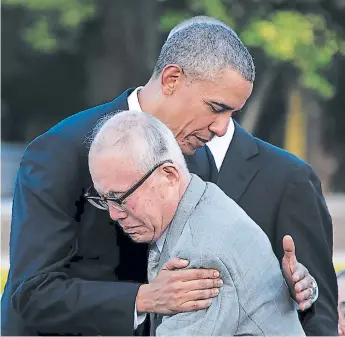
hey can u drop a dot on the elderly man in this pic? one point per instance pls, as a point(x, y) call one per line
point(73, 272)
point(140, 174)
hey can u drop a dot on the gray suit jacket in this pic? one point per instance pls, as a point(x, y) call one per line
point(212, 231)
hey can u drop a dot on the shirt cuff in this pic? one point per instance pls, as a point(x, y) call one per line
point(138, 319)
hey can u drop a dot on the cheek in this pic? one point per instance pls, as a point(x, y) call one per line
point(144, 207)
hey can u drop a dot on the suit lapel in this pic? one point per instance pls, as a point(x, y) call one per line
point(203, 165)
point(214, 174)
point(189, 201)
point(120, 103)
point(239, 166)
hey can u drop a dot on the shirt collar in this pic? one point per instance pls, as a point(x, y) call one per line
point(133, 101)
point(161, 240)
point(219, 145)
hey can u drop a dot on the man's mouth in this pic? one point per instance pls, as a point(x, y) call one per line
point(201, 139)
point(129, 228)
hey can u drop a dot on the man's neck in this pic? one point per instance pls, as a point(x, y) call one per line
point(148, 99)
point(184, 185)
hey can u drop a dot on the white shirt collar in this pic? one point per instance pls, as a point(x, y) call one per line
point(219, 145)
point(133, 101)
point(161, 240)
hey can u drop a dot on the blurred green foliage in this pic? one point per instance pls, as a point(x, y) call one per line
point(51, 19)
point(302, 39)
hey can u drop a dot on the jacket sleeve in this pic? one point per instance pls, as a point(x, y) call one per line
point(303, 214)
point(222, 315)
point(43, 240)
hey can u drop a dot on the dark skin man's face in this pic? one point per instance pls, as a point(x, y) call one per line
point(197, 110)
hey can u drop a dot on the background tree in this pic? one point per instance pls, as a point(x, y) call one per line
point(66, 55)
point(72, 54)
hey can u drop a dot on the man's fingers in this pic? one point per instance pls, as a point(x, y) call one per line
point(304, 305)
point(289, 246)
point(300, 273)
point(175, 263)
point(196, 274)
point(304, 295)
point(202, 284)
point(195, 305)
point(201, 294)
point(302, 285)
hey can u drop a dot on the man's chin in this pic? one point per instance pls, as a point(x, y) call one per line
point(188, 149)
point(138, 238)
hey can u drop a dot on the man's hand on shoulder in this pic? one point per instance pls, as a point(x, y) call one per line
point(300, 282)
point(175, 290)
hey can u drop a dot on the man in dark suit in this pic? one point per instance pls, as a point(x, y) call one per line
point(72, 270)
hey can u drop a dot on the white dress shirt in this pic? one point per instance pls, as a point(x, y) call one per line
point(219, 145)
point(160, 241)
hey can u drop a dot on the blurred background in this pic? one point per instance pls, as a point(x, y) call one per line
point(62, 56)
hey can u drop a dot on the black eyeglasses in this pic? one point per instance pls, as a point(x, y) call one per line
point(103, 202)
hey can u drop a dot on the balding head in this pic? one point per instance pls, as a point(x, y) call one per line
point(140, 137)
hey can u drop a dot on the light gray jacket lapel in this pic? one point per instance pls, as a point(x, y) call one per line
point(189, 201)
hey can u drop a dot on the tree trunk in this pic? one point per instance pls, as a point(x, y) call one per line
point(123, 48)
point(255, 103)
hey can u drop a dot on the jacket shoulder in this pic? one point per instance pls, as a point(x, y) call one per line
point(274, 154)
point(82, 123)
point(74, 132)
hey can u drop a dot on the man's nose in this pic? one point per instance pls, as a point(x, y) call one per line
point(220, 125)
point(116, 214)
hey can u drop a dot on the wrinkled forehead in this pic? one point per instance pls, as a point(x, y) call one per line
point(111, 172)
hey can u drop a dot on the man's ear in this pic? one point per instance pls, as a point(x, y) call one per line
point(171, 173)
point(172, 76)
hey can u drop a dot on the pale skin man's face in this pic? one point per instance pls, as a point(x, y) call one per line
point(196, 110)
point(150, 209)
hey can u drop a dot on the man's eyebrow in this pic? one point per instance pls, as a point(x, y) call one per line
point(223, 106)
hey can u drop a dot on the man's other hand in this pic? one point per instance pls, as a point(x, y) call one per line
point(297, 276)
point(176, 290)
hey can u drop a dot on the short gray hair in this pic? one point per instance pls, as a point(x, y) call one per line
point(143, 137)
point(199, 19)
point(203, 47)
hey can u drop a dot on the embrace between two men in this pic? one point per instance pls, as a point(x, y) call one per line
point(74, 271)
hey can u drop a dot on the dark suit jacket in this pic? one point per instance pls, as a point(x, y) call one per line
point(70, 264)
point(283, 195)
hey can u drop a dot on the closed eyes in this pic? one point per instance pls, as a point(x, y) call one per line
point(218, 107)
